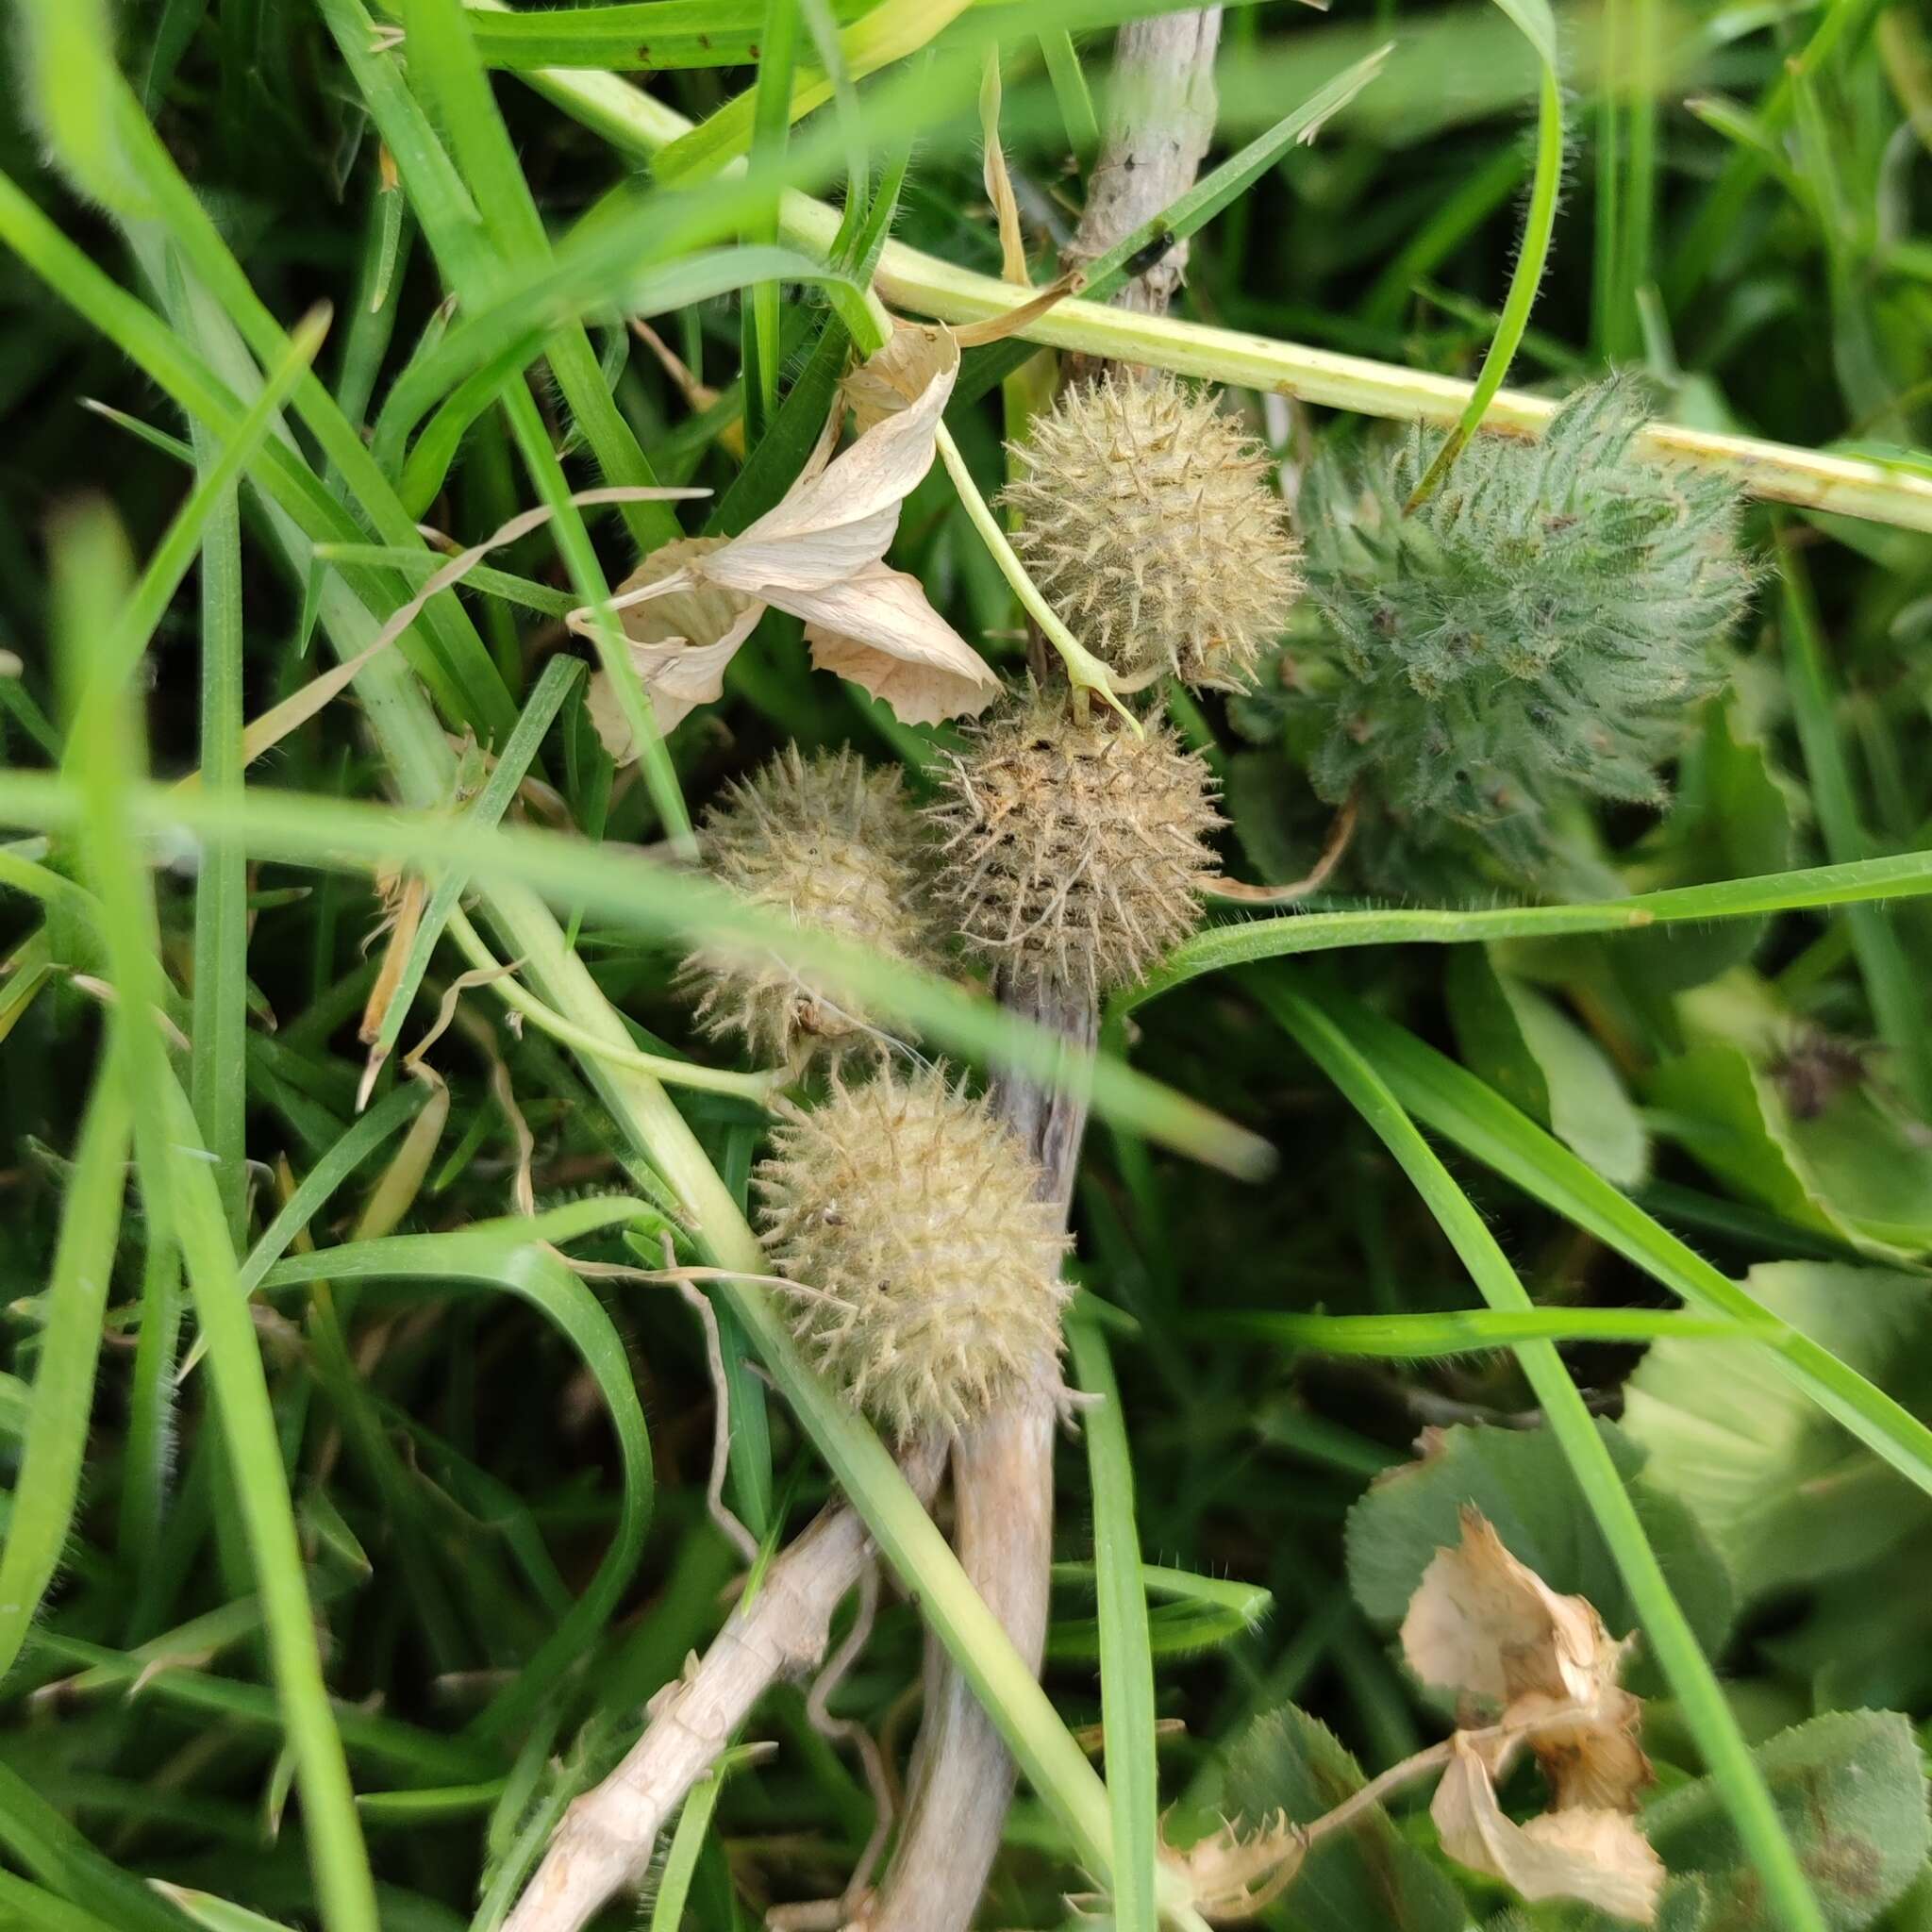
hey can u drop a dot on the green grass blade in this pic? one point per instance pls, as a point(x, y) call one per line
point(510, 1259)
point(444, 63)
point(385, 1118)
point(44, 1843)
point(771, 123)
point(1244, 942)
point(1070, 91)
point(1423, 1338)
point(219, 1015)
point(888, 32)
point(1699, 1694)
point(655, 900)
point(1896, 989)
point(1127, 1665)
point(488, 808)
point(48, 1484)
point(1539, 224)
point(180, 1191)
point(1486, 1126)
point(985, 369)
point(681, 1861)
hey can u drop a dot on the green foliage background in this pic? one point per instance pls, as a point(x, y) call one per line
point(319, 1609)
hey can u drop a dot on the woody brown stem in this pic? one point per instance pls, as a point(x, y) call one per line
point(1160, 120)
point(604, 1845)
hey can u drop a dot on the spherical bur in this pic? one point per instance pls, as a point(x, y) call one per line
point(927, 1270)
point(1073, 851)
point(836, 849)
point(1535, 633)
point(1150, 525)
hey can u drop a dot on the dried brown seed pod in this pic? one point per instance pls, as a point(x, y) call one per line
point(836, 847)
point(928, 1271)
point(1071, 850)
point(1150, 525)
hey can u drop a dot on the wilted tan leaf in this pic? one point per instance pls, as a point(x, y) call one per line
point(918, 355)
point(682, 635)
point(819, 555)
point(879, 631)
point(1232, 1877)
point(1583, 1853)
point(1485, 1625)
point(833, 525)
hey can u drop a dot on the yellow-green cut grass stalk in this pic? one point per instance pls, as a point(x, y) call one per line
point(921, 284)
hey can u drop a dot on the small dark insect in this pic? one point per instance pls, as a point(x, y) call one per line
point(1151, 255)
point(1817, 1067)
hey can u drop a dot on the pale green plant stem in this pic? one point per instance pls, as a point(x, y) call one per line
point(921, 284)
point(691, 1074)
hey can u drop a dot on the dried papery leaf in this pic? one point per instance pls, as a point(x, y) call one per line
point(917, 356)
point(1585, 1853)
point(1588, 1754)
point(682, 634)
point(833, 525)
point(820, 555)
point(1485, 1625)
point(879, 630)
point(272, 726)
point(1230, 1877)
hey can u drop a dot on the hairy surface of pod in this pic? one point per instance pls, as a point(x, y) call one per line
point(836, 849)
point(1150, 525)
point(927, 1270)
point(1071, 850)
point(1537, 632)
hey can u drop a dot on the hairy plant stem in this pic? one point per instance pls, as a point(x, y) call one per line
point(1159, 123)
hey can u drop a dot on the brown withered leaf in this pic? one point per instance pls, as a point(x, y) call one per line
point(917, 356)
point(679, 641)
point(1584, 1852)
point(818, 554)
point(1485, 1625)
point(1230, 1877)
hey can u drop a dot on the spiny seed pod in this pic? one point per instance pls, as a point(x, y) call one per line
point(836, 849)
point(928, 1271)
point(1072, 851)
point(1537, 632)
point(1150, 525)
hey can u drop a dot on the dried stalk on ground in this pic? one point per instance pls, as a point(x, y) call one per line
point(1160, 120)
point(604, 1843)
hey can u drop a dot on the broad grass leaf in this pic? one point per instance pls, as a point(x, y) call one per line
point(1784, 1493)
point(1527, 1047)
point(1850, 1789)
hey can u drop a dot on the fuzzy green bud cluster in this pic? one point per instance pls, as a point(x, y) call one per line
point(1534, 632)
point(927, 1268)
